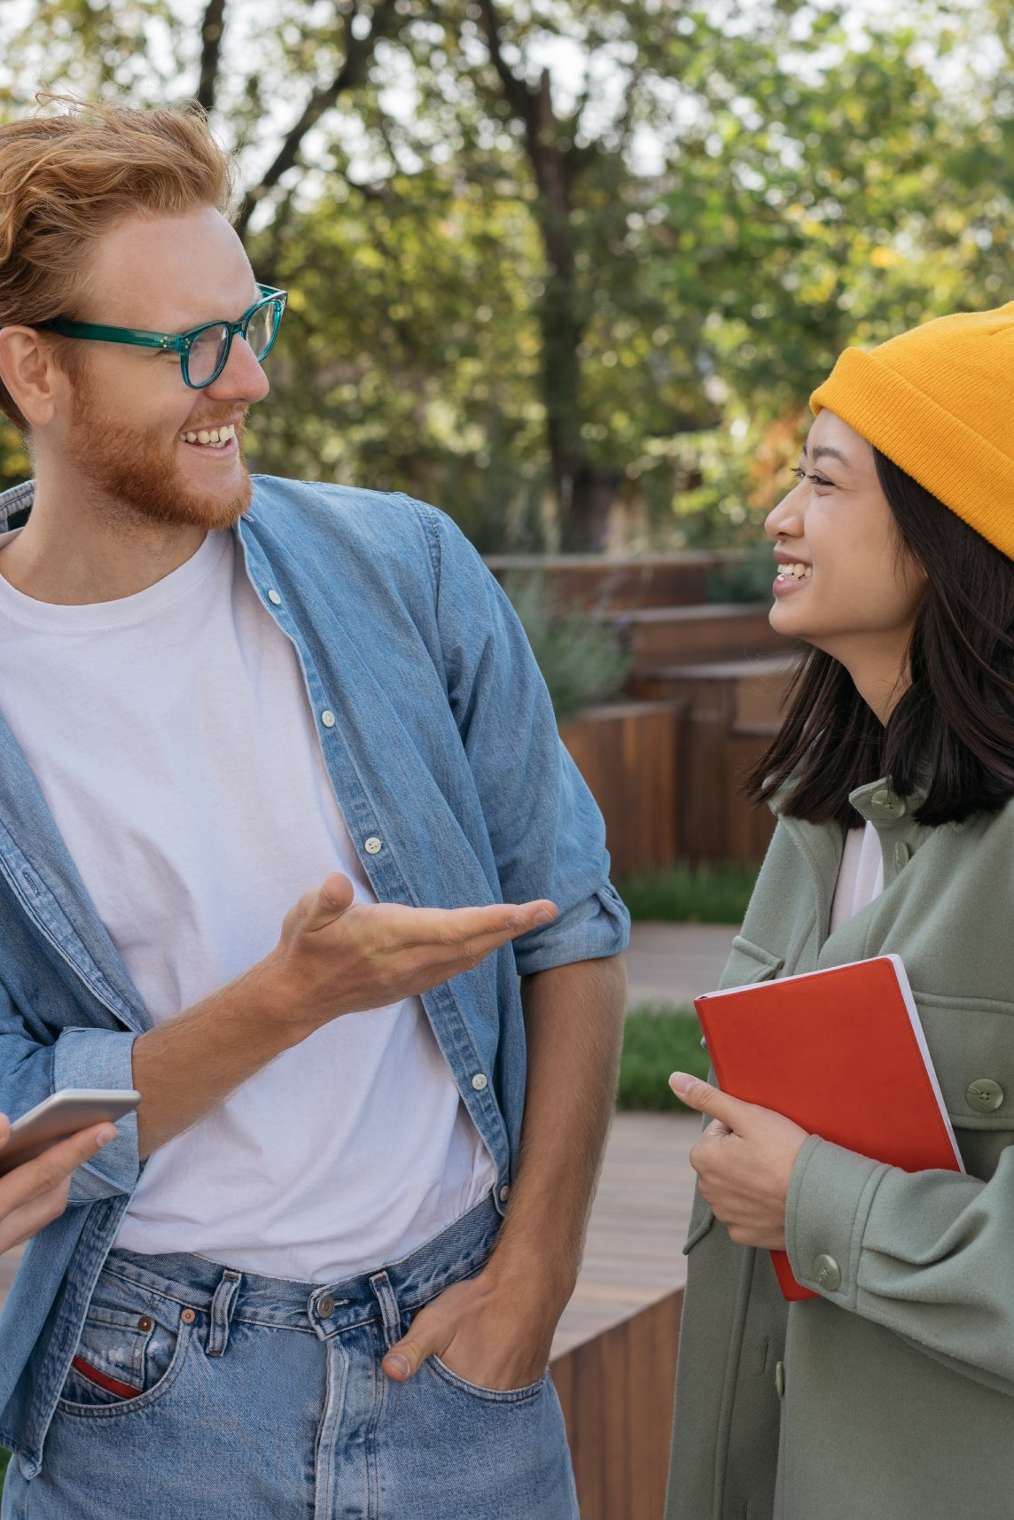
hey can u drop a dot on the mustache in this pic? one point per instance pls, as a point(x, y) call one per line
point(237, 421)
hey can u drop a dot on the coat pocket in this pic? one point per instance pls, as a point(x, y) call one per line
point(749, 963)
point(701, 1220)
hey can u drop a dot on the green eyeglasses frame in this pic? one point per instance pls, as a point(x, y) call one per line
point(181, 343)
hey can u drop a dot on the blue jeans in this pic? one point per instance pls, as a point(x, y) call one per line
point(202, 1393)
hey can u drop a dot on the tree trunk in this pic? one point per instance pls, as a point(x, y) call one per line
point(584, 492)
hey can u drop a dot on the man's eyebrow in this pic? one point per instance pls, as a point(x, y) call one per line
point(206, 321)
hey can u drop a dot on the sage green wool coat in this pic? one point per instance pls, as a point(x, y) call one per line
point(891, 1396)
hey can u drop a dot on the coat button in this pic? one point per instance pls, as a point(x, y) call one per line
point(188, 1316)
point(480, 1081)
point(328, 718)
point(887, 804)
point(373, 845)
point(326, 1307)
point(902, 854)
point(144, 1323)
point(984, 1095)
point(505, 1192)
point(827, 1273)
point(274, 598)
point(780, 1379)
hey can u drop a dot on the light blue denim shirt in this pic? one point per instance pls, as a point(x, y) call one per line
point(440, 742)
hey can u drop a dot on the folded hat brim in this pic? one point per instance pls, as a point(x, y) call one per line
point(946, 456)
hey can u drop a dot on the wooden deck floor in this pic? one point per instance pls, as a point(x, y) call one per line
point(637, 1224)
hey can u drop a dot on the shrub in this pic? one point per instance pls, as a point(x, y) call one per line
point(709, 893)
point(582, 661)
point(658, 1038)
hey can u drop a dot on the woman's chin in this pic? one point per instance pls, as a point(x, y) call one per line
point(782, 620)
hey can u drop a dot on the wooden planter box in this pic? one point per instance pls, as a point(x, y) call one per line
point(668, 775)
point(627, 753)
point(616, 1391)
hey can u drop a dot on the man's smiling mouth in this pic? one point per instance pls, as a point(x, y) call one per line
point(213, 438)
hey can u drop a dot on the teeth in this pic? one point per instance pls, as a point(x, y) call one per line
point(796, 572)
point(211, 437)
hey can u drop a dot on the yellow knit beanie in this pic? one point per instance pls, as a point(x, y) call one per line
point(939, 402)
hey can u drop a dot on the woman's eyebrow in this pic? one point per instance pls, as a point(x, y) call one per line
point(833, 454)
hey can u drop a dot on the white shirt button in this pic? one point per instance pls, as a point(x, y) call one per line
point(480, 1082)
point(373, 845)
point(274, 598)
point(327, 717)
point(505, 1193)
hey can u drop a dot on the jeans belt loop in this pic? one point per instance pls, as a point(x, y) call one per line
point(385, 1296)
point(221, 1312)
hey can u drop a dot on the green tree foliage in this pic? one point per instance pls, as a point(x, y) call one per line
point(553, 257)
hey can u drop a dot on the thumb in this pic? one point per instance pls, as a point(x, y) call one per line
point(732, 1112)
point(427, 1334)
point(334, 898)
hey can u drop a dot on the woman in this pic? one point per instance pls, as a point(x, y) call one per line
point(891, 1394)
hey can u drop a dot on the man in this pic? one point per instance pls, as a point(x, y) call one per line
point(283, 819)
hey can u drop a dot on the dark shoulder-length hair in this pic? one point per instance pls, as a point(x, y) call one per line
point(953, 730)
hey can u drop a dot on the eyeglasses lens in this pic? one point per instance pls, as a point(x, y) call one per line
point(263, 325)
point(206, 354)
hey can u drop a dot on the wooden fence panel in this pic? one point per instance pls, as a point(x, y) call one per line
point(595, 582)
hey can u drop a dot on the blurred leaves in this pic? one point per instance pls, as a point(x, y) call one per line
point(750, 190)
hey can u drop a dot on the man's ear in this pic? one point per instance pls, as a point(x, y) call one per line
point(29, 371)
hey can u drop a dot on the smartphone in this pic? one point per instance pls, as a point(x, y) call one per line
point(66, 1112)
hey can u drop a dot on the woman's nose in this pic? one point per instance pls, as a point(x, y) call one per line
point(785, 520)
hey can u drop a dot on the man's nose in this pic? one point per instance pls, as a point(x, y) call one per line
point(243, 378)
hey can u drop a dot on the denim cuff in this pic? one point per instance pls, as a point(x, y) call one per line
point(101, 1058)
point(592, 930)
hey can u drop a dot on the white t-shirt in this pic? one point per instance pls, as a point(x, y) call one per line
point(172, 738)
point(860, 876)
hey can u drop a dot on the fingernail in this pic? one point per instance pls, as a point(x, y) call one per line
point(104, 1135)
point(543, 916)
point(398, 1364)
point(680, 1083)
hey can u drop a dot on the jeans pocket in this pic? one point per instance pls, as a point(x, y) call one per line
point(489, 1395)
point(129, 1352)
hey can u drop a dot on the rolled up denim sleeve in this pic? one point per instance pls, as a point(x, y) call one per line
point(547, 833)
point(98, 1058)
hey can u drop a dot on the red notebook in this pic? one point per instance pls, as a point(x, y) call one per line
point(842, 1053)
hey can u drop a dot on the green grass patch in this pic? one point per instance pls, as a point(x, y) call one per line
point(706, 894)
point(658, 1038)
